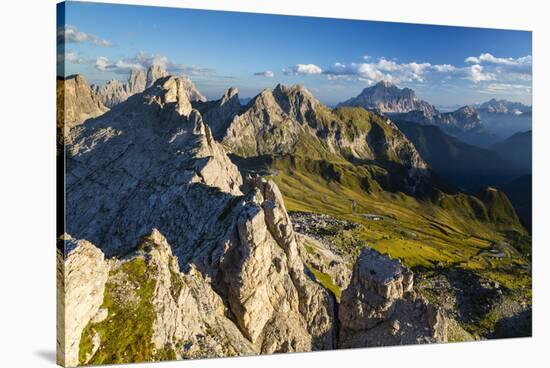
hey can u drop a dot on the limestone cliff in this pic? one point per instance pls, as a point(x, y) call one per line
point(380, 307)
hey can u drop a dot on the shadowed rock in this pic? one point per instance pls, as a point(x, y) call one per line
point(380, 307)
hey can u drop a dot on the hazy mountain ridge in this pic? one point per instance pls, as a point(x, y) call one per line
point(517, 149)
point(480, 124)
point(503, 107)
point(467, 166)
point(388, 98)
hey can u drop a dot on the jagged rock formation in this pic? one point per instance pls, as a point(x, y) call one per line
point(387, 97)
point(291, 121)
point(76, 102)
point(219, 113)
point(81, 279)
point(380, 307)
point(115, 92)
point(154, 152)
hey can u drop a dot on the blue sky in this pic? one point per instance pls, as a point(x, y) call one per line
point(335, 59)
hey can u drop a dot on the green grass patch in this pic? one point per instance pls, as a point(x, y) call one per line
point(127, 331)
point(326, 281)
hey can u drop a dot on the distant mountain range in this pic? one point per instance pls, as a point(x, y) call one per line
point(468, 123)
point(466, 166)
point(503, 107)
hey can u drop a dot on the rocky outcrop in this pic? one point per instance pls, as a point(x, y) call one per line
point(276, 305)
point(187, 310)
point(386, 97)
point(153, 152)
point(380, 307)
point(81, 278)
point(222, 112)
point(115, 92)
point(76, 102)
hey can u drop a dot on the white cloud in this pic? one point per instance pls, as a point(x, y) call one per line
point(444, 68)
point(303, 69)
point(143, 61)
point(505, 68)
point(508, 88)
point(476, 74)
point(267, 74)
point(71, 34)
point(102, 63)
point(384, 69)
point(488, 58)
point(71, 57)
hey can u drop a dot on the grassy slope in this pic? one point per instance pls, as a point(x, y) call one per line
point(457, 233)
point(443, 230)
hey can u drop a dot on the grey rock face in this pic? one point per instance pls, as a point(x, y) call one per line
point(387, 97)
point(380, 307)
point(155, 153)
point(81, 279)
point(187, 308)
point(115, 92)
point(153, 163)
point(222, 112)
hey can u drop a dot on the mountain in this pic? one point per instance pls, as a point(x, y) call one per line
point(388, 98)
point(115, 92)
point(76, 103)
point(504, 118)
point(403, 104)
point(146, 181)
point(503, 107)
point(290, 121)
point(170, 253)
point(518, 149)
point(288, 134)
point(466, 166)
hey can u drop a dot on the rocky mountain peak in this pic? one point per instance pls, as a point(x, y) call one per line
point(76, 102)
point(154, 72)
point(231, 93)
point(115, 92)
point(386, 97)
point(503, 107)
